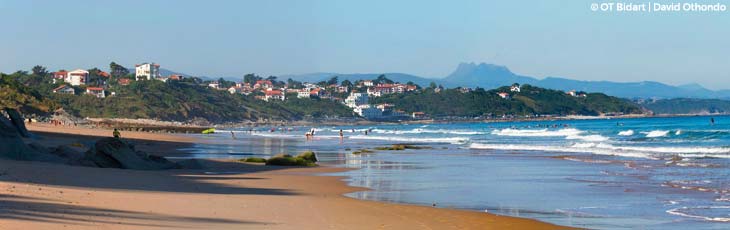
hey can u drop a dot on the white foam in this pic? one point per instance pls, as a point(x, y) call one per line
point(657, 133)
point(419, 131)
point(592, 138)
point(608, 149)
point(678, 132)
point(682, 212)
point(626, 133)
point(450, 140)
point(537, 132)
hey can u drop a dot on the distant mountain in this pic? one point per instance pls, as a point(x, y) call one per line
point(399, 77)
point(485, 75)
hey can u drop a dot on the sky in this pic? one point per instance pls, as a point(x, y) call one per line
point(425, 38)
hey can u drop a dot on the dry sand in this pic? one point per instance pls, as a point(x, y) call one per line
point(37, 195)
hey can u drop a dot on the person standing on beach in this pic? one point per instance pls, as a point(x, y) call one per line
point(233, 135)
point(116, 134)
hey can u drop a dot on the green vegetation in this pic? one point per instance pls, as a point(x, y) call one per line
point(305, 159)
point(688, 106)
point(361, 151)
point(530, 101)
point(253, 160)
point(398, 147)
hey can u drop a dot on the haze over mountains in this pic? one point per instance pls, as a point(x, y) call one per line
point(491, 76)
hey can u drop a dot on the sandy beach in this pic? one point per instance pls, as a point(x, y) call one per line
point(226, 195)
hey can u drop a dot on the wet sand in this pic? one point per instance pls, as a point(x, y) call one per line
point(227, 195)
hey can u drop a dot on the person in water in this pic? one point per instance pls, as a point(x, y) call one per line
point(116, 134)
point(712, 121)
point(342, 136)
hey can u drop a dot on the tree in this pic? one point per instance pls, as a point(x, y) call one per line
point(346, 83)
point(39, 70)
point(117, 70)
point(332, 81)
point(251, 78)
point(271, 78)
point(382, 80)
point(294, 84)
point(432, 85)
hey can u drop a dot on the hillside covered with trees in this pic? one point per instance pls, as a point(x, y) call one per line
point(529, 101)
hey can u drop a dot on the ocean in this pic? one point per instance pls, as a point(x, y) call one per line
point(648, 173)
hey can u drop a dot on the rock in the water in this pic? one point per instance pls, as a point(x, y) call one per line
point(115, 153)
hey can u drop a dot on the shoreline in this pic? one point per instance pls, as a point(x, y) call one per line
point(155, 126)
point(225, 195)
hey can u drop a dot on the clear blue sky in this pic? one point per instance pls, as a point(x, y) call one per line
point(426, 38)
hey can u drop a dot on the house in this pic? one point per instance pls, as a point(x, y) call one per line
point(515, 88)
point(274, 95)
point(418, 115)
point(234, 90)
point(147, 71)
point(64, 89)
point(263, 84)
point(318, 92)
point(214, 85)
point(304, 93)
point(124, 81)
point(60, 75)
point(576, 94)
point(356, 99)
point(95, 91)
point(465, 89)
point(503, 95)
point(368, 112)
point(342, 89)
point(368, 83)
point(77, 77)
point(175, 77)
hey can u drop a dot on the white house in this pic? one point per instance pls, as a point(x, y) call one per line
point(303, 93)
point(504, 95)
point(356, 99)
point(64, 89)
point(515, 88)
point(368, 83)
point(214, 85)
point(147, 71)
point(77, 77)
point(368, 112)
point(274, 95)
point(96, 91)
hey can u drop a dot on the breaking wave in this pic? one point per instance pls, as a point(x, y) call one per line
point(536, 132)
point(449, 140)
point(607, 149)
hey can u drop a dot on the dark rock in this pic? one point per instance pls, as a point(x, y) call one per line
point(18, 122)
point(115, 153)
point(11, 143)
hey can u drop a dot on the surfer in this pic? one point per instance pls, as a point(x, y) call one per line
point(712, 121)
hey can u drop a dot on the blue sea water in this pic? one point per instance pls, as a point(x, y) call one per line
point(647, 173)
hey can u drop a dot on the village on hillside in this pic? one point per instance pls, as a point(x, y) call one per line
point(355, 95)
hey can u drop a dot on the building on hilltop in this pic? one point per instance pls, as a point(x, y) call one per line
point(147, 71)
point(96, 91)
point(77, 77)
point(64, 89)
point(356, 99)
point(274, 95)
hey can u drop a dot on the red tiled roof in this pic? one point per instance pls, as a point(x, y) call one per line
point(273, 92)
point(95, 88)
point(59, 88)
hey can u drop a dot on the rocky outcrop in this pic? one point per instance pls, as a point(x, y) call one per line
point(115, 153)
point(11, 142)
point(18, 122)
